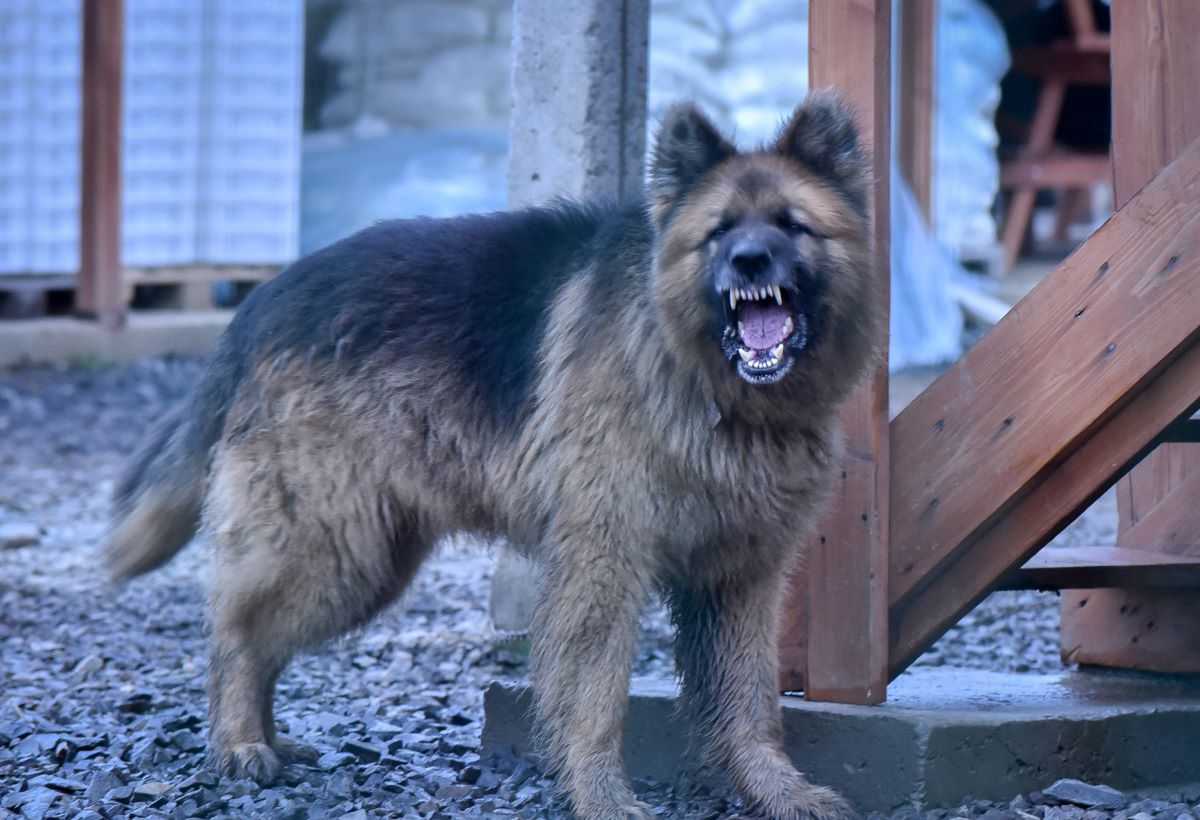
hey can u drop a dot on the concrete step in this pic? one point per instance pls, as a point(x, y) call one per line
point(944, 735)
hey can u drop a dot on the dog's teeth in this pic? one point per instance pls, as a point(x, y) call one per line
point(778, 295)
point(788, 326)
point(747, 355)
point(733, 297)
point(777, 351)
point(741, 330)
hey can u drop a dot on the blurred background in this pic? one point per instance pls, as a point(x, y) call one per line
point(253, 131)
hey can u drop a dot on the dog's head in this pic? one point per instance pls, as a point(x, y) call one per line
point(762, 262)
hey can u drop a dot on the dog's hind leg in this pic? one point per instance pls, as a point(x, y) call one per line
point(726, 651)
point(584, 633)
point(295, 565)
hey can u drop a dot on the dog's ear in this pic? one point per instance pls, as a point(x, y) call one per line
point(687, 147)
point(823, 135)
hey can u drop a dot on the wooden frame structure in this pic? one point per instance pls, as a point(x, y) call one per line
point(1055, 404)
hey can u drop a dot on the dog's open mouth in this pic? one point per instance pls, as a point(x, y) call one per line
point(766, 329)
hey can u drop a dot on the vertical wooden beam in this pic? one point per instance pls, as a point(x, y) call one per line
point(1156, 114)
point(849, 46)
point(916, 42)
point(99, 293)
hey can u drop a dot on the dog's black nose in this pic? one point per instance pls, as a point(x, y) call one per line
point(750, 257)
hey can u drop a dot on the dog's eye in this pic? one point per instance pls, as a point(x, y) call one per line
point(791, 225)
point(722, 229)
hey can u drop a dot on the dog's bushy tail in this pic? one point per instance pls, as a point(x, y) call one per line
point(157, 501)
point(156, 504)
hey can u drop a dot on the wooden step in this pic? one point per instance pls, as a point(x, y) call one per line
point(1101, 567)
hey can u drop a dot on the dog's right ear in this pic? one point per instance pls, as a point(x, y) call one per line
point(687, 147)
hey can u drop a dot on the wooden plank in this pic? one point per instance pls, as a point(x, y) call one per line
point(1157, 633)
point(1156, 88)
point(1172, 526)
point(1019, 529)
point(915, 141)
point(846, 627)
point(1151, 481)
point(1062, 61)
point(1055, 169)
point(1156, 113)
point(1098, 567)
point(100, 294)
point(1068, 360)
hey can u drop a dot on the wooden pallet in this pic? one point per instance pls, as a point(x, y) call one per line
point(170, 287)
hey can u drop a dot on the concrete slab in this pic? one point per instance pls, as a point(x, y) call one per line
point(147, 333)
point(944, 735)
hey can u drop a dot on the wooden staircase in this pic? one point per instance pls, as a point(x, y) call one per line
point(1096, 369)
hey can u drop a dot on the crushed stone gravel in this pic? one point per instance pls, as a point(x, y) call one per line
point(102, 708)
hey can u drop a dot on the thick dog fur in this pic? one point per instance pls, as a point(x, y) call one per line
point(565, 378)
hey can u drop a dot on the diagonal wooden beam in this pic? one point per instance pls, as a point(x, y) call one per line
point(1173, 524)
point(1046, 410)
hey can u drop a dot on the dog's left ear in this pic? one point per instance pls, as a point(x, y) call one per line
point(823, 134)
point(688, 146)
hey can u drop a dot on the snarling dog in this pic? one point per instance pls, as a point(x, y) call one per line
point(643, 397)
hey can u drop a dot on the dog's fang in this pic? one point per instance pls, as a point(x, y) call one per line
point(777, 351)
point(778, 295)
point(747, 355)
point(733, 297)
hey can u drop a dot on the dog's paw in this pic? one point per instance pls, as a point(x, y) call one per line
point(804, 801)
point(293, 751)
point(629, 809)
point(256, 761)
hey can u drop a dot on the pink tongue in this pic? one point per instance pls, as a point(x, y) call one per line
point(762, 326)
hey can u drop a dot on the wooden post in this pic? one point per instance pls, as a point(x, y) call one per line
point(915, 142)
point(849, 44)
point(1156, 114)
point(99, 293)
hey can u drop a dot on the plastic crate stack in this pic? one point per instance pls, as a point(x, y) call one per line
point(210, 133)
point(250, 132)
point(39, 135)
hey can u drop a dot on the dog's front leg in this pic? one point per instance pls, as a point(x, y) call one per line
point(584, 632)
point(727, 654)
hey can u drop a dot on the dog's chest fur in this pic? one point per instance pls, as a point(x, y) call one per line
point(659, 469)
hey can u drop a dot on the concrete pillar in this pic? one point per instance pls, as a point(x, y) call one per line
point(578, 125)
point(578, 130)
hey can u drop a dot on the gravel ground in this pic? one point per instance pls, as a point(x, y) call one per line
point(102, 711)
